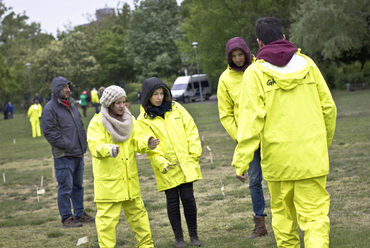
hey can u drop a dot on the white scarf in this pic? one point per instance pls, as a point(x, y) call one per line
point(119, 128)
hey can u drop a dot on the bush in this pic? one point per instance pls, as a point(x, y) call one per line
point(338, 76)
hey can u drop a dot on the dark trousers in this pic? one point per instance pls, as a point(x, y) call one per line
point(185, 192)
point(84, 110)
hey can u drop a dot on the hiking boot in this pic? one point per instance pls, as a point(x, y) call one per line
point(194, 238)
point(259, 228)
point(71, 222)
point(86, 218)
point(179, 240)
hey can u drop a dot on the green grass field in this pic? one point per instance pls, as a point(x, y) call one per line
point(26, 221)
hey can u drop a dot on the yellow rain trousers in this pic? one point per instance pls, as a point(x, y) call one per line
point(34, 114)
point(305, 203)
point(108, 216)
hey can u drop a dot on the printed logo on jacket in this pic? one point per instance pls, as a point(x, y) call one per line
point(271, 82)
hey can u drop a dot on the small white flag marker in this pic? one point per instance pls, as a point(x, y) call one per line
point(41, 191)
point(82, 241)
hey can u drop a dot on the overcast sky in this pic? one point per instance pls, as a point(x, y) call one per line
point(54, 14)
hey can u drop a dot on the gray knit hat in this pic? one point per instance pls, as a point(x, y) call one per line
point(110, 94)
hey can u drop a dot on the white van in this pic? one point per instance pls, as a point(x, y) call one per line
point(186, 88)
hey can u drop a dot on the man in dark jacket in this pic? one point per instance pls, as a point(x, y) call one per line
point(64, 130)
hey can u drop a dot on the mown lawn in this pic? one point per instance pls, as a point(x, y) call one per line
point(223, 222)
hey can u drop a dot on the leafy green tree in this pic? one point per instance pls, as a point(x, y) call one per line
point(150, 42)
point(70, 58)
point(337, 35)
point(333, 30)
point(213, 23)
point(18, 41)
point(106, 40)
point(7, 79)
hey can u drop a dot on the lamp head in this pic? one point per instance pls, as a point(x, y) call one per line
point(194, 44)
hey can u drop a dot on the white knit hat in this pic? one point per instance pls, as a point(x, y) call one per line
point(111, 94)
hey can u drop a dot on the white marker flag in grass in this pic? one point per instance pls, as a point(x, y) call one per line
point(222, 185)
point(210, 154)
point(41, 191)
point(82, 241)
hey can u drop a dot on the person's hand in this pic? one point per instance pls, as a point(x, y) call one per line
point(168, 167)
point(243, 177)
point(153, 143)
point(115, 151)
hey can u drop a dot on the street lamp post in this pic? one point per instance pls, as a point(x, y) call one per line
point(29, 79)
point(196, 58)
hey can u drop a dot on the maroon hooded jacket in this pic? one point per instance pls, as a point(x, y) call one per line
point(278, 53)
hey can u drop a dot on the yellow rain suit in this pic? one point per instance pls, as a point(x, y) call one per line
point(116, 184)
point(180, 146)
point(34, 114)
point(94, 96)
point(289, 110)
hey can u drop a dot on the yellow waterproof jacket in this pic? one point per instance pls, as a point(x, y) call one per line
point(115, 179)
point(228, 92)
point(94, 96)
point(179, 145)
point(289, 110)
point(34, 112)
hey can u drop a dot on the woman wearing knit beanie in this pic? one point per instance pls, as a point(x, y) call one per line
point(176, 160)
point(113, 141)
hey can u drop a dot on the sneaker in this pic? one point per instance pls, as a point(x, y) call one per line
point(71, 222)
point(86, 218)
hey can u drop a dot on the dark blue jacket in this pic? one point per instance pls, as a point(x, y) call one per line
point(63, 127)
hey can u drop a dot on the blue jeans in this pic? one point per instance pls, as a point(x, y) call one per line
point(96, 108)
point(69, 173)
point(255, 185)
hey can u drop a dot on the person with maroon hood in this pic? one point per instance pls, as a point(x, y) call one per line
point(286, 108)
point(239, 58)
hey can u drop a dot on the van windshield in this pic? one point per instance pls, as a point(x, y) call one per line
point(179, 87)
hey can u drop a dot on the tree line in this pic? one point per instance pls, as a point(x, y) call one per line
point(154, 39)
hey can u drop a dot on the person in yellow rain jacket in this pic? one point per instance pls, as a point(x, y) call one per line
point(286, 105)
point(95, 99)
point(239, 58)
point(113, 139)
point(34, 114)
point(175, 162)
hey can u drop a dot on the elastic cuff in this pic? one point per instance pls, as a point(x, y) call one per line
point(111, 151)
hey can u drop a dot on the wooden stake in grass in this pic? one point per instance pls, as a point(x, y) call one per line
point(14, 141)
point(55, 181)
point(210, 154)
point(222, 186)
point(4, 177)
point(42, 181)
point(37, 193)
